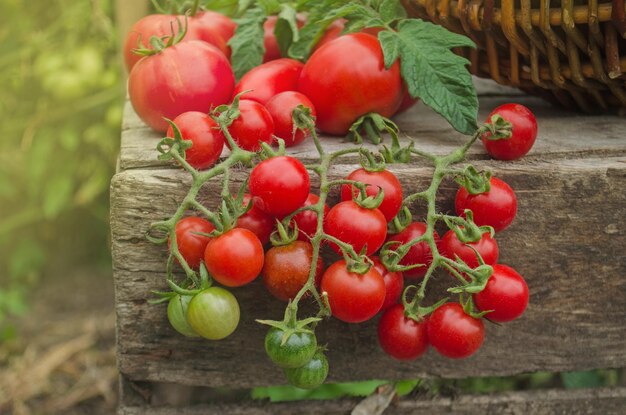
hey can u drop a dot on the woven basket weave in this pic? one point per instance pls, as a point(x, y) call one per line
point(569, 51)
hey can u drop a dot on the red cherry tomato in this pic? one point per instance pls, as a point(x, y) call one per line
point(267, 80)
point(392, 201)
point(307, 220)
point(419, 253)
point(523, 136)
point(253, 126)
point(394, 283)
point(354, 82)
point(189, 76)
point(272, 51)
point(487, 247)
point(506, 294)
point(191, 245)
point(357, 226)
point(279, 185)
point(353, 297)
point(256, 221)
point(453, 333)
point(401, 337)
point(496, 208)
point(234, 258)
point(206, 138)
point(281, 108)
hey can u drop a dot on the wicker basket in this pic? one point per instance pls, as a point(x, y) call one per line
point(569, 51)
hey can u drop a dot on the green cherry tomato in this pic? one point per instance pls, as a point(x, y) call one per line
point(311, 375)
point(176, 311)
point(297, 350)
point(213, 313)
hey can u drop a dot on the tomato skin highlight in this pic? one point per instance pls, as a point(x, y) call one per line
point(394, 283)
point(206, 138)
point(176, 312)
point(496, 208)
point(450, 246)
point(307, 220)
point(453, 333)
point(419, 253)
point(191, 245)
point(256, 221)
point(296, 352)
point(213, 313)
point(269, 79)
point(353, 297)
point(234, 258)
point(401, 337)
point(357, 226)
point(524, 133)
point(392, 201)
point(281, 108)
point(311, 375)
point(253, 126)
point(506, 294)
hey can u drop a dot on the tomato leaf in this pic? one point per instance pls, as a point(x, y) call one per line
point(358, 17)
point(391, 10)
point(313, 29)
point(286, 30)
point(227, 7)
point(432, 71)
point(247, 43)
point(269, 6)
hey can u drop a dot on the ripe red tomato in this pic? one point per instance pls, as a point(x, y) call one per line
point(333, 31)
point(256, 221)
point(401, 337)
point(394, 283)
point(487, 247)
point(253, 126)
point(354, 82)
point(392, 201)
point(189, 76)
point(353, 297)
point(234, 258)
point(267, 80)
point(419, 253)
point(287, 269)
point(506, 293)
point(307, 220)
point(191, 245)
point(210, 21)
point(272, 51)
point(281, 108)
point(279, 185)
point(453, 333)
point(496, 208)
point(206, 138)
point(407, 100)
point(523, 136)
point(357, 226)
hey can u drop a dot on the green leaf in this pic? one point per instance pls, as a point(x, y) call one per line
point(432, 71)
point(269, 6)
point(227, 7)
point(247, 42)
point(359, 16)
point(326, 391)
point(404, 387)
point(391, 10)
point(575, 380)
point(286, 29)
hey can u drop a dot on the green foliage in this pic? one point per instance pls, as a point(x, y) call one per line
point(247, 43)
point(61, 101)
point(326, 391)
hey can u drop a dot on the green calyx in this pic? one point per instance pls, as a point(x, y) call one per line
point(476, 182)
point(370, 162)
point(283, 236)
point(498, 128)
point(465, 229)
point(401, 220)
point(177, 144)
point(372, 126)
point(158, 44)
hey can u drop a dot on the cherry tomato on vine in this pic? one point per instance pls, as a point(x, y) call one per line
point(451, 247)
point(401, 337)
point(419, 253)
point(524, 133)
point(176, 314)
point(281, 108)
point(269, 79)
point(353, 297)
point(287, 269)
point(496, 208)
point(506, 294)
point(311, 375)
point(213, 313)
point(453, 333)
point(394, 283)
point(357, 226)
point(307, 220)
point(392, 200)
point(206, 138)
point(272, 51)
point(297, 351)
point(256, 221)
point(234, 258)
point(279, 185)
point(253, 126)
point(191, 245)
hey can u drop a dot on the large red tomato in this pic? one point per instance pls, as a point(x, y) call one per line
point(267, 80)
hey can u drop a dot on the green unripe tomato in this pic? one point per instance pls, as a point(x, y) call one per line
point(176, 311)
point(311, 375)
point(213, 313)
point(296, 352)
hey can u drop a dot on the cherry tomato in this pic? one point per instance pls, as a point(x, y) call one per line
point(392, 201)
point(191, 245)
point(281, 108)
point(257, 221)
point(394, 283)
point(357, 226)
point(272, 51)
point(453, 333)
point(354, 82)
point(487, 247)
point(353, 297)
point(401, 337)
point(311, 375)
point(523, 136)
point(279, 185)
point(506, 294)
point(234, 258)
point(206, 138)
point(287, 269)
point(213, 313)
point(189, 76)
point(253, 126)
point(176, 312)
point(297, 351)
point(307, 220)
point(267, 80)
point(496, 208)
point(419, 253)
